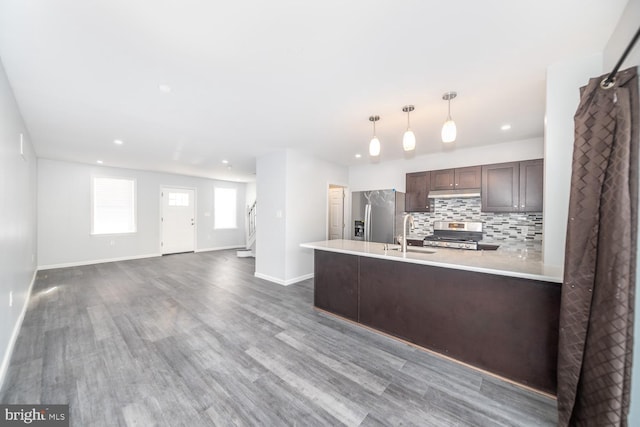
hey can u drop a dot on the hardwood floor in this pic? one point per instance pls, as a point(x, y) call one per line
point(197, 340)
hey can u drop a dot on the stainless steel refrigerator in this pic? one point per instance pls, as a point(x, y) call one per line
point(376, 215)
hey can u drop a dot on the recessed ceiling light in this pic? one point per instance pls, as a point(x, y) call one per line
point(505, 127)
point(99, 162)
point(118, 141)
point(164, 88)
point(225, 161)
point(358, 155)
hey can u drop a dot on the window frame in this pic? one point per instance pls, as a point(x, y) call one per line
point(93, 199)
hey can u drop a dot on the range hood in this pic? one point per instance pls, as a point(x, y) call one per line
point(454, 194)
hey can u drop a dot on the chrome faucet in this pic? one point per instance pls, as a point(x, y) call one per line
point(404, 231)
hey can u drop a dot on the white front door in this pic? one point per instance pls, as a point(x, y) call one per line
point(336, 213)
point(178, 220)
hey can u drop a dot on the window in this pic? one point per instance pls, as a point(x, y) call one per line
point(178, 199)
point(114, 206)
point(225, 208)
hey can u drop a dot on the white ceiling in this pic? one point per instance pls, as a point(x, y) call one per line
point(252, 76)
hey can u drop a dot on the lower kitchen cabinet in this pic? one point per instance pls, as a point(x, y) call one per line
point(502, 324)
point(336, 283)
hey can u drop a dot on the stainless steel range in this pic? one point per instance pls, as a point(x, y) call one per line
point(455, 234)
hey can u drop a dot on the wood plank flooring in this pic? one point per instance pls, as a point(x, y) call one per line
point(197, 340)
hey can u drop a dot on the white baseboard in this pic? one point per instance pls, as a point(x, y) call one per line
point(14, 335)
point(95, 261)
point(281, 281)
point(220, 248)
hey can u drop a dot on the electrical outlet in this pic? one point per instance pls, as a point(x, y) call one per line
point(10, 298)
point(112, 242)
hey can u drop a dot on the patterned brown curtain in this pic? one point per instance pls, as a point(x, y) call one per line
point(596, 314)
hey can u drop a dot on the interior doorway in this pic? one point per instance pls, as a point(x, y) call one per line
point(335, 228)
point(178, 220)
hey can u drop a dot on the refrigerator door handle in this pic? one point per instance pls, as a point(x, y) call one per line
point(370, 223)
point(367, 224)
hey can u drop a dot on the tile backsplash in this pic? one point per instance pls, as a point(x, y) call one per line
point(526, 226)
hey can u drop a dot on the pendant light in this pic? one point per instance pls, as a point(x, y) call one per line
point(374, 145)
point(449, 127)
point(409, 138)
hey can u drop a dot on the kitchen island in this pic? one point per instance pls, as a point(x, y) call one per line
point(495, 310)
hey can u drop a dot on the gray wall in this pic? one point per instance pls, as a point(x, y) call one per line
point(271, 184)
point(17, 218)
point(564, 80)
point(308, 180)
point(626, 28)
point(293, 197)
point(64, 221)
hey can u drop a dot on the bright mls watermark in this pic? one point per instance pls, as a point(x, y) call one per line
point(34, 415)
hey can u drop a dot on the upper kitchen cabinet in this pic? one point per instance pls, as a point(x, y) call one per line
point(500, 187)
point(456, 179)
point(531, 182)
point(417, 188)
point(468, 178)
point(442, 179)
point(512, 187)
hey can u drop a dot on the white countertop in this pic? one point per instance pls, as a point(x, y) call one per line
point(512, 262)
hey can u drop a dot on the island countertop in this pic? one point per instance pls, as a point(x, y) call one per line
point(522, 263)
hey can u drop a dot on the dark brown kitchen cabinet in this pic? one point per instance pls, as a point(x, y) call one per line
point(500, 187)
point(512, 187)
point(456, 179)
point(502, 324)
point(336, 283)
point(442, 179)
point(417, 187)
point(531, 180)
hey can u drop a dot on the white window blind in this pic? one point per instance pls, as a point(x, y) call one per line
point(225, 208)
point(114, 206)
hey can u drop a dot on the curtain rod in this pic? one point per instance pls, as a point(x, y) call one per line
point(608, 82)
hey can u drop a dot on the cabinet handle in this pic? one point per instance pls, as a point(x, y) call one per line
point(515, 206)
point(522, 206)
point(450, 185)
point(456, 184)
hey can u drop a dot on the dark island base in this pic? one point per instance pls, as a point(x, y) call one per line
point(504, 325)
